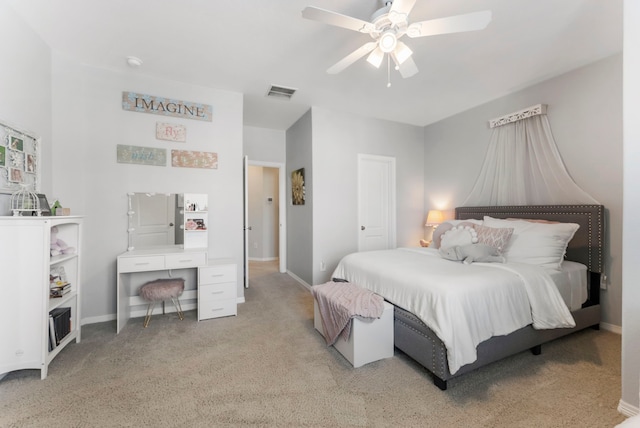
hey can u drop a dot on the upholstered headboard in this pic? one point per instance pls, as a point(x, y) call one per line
point(587, 245)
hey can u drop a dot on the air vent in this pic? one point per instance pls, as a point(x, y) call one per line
point(281, 92)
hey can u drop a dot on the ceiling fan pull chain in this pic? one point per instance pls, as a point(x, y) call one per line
point(388, 71)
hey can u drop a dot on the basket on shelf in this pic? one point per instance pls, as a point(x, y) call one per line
point(25, 201)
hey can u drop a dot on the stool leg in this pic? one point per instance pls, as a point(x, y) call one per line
point(176, 303)
point(147, 317)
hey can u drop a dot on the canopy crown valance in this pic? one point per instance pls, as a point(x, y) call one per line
point(523, 165)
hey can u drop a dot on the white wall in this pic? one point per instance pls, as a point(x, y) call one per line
point(25, 89)
point(89, 122)
point(270, 217)
point(255, 211)
point(630, 401)
point(585, 112)
point(264, 145)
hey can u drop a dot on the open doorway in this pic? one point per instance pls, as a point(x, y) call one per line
point(265, 239)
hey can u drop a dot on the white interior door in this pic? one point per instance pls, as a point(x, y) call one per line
point(245, 189)
point(376, 202)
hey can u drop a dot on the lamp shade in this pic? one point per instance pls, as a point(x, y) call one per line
point(434, 218)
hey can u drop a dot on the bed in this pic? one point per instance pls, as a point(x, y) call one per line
point(434, 347)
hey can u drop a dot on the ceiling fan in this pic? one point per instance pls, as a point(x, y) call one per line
point(387, 26)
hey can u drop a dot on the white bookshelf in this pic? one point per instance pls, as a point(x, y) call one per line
point(25, 266)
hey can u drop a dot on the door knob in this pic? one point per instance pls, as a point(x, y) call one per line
point(362, 228)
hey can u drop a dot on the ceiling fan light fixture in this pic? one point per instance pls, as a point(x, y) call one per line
point(402, 53)
point(375, 57)
point(388, 41)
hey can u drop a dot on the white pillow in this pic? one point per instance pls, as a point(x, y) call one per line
point(534, 243)
point(458, 235)
point(436, 237)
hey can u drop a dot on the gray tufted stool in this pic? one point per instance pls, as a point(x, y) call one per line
point(160, 290)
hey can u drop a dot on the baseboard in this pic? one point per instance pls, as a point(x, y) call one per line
point(627, 409)
point(140, 313)
point(611, 327)
point(263, 259)
point(101, 318)
point(300, 281)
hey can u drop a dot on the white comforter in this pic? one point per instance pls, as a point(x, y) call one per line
point(463, 304)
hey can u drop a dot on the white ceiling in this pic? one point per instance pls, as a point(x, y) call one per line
point(247, 45)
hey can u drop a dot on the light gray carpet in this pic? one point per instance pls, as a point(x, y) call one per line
point(269, 367)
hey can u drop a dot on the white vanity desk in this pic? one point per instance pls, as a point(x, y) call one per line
point(164, 258)
point(168, 236)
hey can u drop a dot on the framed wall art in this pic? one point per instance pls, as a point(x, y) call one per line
point(297, 187)
point(192, 159)
point(141, 155)
point(19, 159)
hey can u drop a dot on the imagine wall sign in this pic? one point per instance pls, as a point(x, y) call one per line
point(167, 107)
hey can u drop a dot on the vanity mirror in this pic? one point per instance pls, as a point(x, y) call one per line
point(167, 219)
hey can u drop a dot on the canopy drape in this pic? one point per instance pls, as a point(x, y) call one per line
point(523, 167)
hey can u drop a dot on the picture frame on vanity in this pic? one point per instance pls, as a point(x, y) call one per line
point(45, 208)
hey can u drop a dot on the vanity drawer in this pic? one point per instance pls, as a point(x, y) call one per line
point(185, 260)
point(216, 308)
point(217, 274)
point(140, 264)
point(220, 291)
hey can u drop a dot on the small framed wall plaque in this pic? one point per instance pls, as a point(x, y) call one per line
point(171, 132)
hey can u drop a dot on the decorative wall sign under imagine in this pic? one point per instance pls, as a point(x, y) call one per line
point(171, 132)
point(165, 106)
point(191, 159)
point(142, 155)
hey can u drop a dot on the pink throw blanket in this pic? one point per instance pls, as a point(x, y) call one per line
point(339, 302)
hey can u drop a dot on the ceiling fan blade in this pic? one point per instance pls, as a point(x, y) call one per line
point(452, 24)
point(408, 68)
point(352, 57)
point(337, 19)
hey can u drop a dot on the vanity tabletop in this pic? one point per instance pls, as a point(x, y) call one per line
point(161, 249)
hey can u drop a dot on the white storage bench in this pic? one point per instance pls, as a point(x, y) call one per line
point(370, 339)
